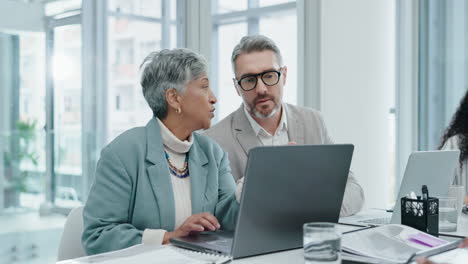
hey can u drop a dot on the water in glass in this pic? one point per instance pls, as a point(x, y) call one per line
point(322, 243)
point(448, 215)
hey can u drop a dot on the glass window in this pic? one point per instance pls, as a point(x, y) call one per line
point(66, 72)
point(263, 3)
point(224, 6)
point(130, 40)
point(149, 8)
point(443, 56)
point(22, 139)
point(228, 99)
point(53, 8)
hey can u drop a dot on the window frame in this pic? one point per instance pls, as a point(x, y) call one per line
point(93, 19)
point(407, 82)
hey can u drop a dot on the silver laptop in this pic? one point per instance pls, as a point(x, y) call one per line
point(431, 168)
point(284, 187)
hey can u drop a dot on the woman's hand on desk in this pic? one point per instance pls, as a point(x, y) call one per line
point(195, 223)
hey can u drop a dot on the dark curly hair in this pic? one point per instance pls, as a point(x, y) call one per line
point(459, 127)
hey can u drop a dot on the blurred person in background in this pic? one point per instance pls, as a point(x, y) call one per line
point(456, 138)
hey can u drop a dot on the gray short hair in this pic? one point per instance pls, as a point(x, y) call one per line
point(165, 69)
point(254, 43)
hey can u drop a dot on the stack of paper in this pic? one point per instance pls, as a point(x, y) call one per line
point(390, 243)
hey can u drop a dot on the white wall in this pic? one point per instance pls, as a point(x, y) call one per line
point(358, 85)
point(21, 16)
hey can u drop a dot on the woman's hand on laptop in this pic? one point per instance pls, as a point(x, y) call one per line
point(195, 223)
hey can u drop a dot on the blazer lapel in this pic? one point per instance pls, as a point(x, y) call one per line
point(198, 172)
point(243, 130)
point(295, 127)
point(158, 175)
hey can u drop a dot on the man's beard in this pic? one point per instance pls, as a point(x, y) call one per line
point(253, 110)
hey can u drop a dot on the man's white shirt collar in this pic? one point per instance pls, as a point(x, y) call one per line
point(283, 125)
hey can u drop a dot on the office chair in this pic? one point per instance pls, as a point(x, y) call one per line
point(70, 243)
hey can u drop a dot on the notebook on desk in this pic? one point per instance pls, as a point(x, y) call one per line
point(393, 244)
point(431, 168)
point(284, 187)
point(155, 254)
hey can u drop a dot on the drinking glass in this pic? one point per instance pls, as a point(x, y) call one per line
point(322, 243)
point(448, 215)
point(457, 192)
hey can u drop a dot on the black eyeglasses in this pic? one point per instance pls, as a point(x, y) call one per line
point(269, 78)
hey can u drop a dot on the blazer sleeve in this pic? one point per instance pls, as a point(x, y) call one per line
point(227, 207)
point(353, 199)
point(106, 213)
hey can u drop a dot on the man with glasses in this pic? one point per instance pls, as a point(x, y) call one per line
point(263, 119)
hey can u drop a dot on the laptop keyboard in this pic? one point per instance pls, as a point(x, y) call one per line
point(222, 243)
point(377, 221)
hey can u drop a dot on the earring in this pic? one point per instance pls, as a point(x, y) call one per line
point(178, 110)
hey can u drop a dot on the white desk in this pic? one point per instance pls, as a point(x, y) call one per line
point(289, 256)
point(296, 256)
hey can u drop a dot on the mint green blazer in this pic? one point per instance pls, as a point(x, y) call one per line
point(132, 189)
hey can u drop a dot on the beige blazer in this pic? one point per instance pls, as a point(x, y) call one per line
point(305, 126)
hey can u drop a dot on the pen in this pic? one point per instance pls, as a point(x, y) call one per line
point(425, 192)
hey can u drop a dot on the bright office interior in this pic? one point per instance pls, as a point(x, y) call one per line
point(387, 76)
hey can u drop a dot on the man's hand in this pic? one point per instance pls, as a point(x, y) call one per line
point(195, 223)
point(464, 243)
point(424, 261)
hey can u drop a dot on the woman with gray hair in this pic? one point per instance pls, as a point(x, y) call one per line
point(163, 180)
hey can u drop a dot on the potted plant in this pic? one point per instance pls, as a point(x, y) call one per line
point(19, 150)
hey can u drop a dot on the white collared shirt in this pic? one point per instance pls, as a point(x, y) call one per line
point(281, 135)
